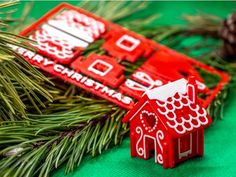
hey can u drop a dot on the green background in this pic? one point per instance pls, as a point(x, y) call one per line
point(220, 138)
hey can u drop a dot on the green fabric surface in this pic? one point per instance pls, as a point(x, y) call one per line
point(220, 139)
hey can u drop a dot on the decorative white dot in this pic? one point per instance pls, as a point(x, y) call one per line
point(144, 124)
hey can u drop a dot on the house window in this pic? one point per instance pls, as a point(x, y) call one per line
point(185, 145)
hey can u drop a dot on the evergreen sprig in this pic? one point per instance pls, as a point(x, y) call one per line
point(19, 80)
point(76, 122)
point(50, 140)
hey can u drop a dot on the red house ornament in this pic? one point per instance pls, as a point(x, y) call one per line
point(170, 121)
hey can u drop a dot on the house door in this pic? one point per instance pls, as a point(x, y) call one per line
point(153, 145)
point(149, 146)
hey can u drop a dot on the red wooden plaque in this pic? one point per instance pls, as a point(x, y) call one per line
point(62, 34)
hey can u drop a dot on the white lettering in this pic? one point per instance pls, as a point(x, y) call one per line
point(126, 100)
point(106, 90)
point(76, 76)
point(38, 58)
point(83, 79)
point(117, 96)
point(89, 82)
point(29, 54)
point(98, 85)
point(47, 62)
point(21, 51)
point(58, 68)
point(68, 72)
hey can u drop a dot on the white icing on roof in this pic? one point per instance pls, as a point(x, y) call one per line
point(179, 112)
point(181, 122)
point(168, 90)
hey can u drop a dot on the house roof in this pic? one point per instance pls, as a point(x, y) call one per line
point(177, 106)
point(168, 90)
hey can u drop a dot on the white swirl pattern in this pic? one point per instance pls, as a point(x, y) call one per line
point(159, 137)
point(139, 150)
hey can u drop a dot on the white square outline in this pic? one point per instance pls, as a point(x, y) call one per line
point(135, 42)
point(91, 67)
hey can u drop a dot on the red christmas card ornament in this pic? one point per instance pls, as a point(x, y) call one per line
point(66, 31)
point(170, 121)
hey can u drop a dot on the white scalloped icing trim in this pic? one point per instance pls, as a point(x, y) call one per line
point(168, 109)
point(175, 124)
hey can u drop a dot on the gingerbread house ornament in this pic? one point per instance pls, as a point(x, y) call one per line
point(168, 122)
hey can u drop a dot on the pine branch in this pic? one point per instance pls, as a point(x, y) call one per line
point(18, 79)
point(50, 140)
